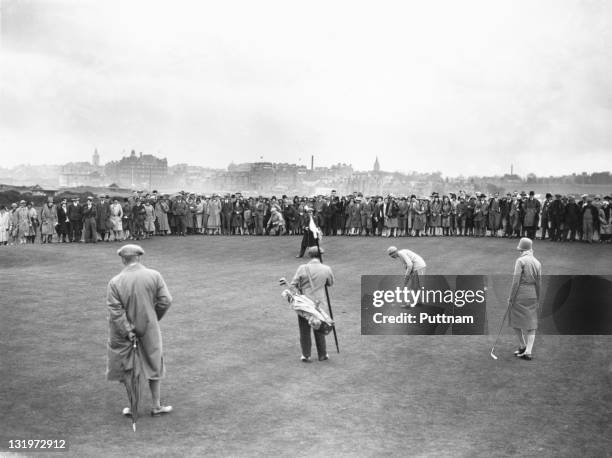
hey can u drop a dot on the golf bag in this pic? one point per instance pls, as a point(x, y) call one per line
point(317, 318)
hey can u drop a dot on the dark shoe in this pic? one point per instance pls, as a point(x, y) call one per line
point(324, 358)
point(305, 359)
point(526, 357)
point(520, 351)
point(158, 411)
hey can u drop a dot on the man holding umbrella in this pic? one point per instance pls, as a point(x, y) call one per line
point(137, 299)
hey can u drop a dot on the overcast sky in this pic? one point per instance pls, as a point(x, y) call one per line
point(461, 87)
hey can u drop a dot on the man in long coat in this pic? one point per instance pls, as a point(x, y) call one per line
point(137, 299)
point(531, 216)
point(48, 220)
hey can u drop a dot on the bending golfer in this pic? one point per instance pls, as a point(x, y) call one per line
point(137, 299)
point(524, 298)
point(414, 266)
point(311, 279)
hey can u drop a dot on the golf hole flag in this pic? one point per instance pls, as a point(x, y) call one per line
point(313, 228)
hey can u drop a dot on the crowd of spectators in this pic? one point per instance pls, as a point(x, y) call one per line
point(143, 215)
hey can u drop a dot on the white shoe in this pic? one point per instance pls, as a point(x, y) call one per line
point(127, 412)
point(157, 411)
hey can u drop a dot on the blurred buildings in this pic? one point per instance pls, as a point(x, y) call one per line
point(148, 172)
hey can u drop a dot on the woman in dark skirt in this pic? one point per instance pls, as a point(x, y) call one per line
point(524, 298)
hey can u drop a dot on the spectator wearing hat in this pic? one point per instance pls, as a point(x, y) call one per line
point(461, 216)
point(495, 219)
point(348, 210)
point(162, 207)
point(605, 221)
point(226, 215)
point(479, 216)
point(5, 225)
point(189, 217)
point(63, 223)
point(545, 220)
point(34, 222)
point(89, 221)
point(556, 214)
point(420, 217)
point(237, 218)
point(453, 214)
point(179, 209)
point(14, 223)
point(75, 216)
point(214, 215)
point(48, 219)
point(367, 212)
point(103, 222)
point(149, 222)
point(469, 214)
point(354, 215)
point(340, 215)
point(378, 215)
point(137, 299)
point(505, 205)
point(312, 279)
point(391, 213)
point(435, 215)
point(116, 219)
point(571, 218)
point(515, 216)
point(524, 298)
point(402, 216)
point(531, 215)
point(445, 215)
point(589, 214)
point(139, 214)
point(126, 219)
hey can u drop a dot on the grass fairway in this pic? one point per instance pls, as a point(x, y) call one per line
point(234, 375)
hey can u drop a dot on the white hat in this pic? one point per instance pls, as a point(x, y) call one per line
point(524, 244)
point(391, 250)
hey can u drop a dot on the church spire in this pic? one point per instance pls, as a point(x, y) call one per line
point(376, 165)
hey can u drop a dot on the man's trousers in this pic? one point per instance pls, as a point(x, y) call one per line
point(306, 342)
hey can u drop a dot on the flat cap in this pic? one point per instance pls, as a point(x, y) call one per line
point(130, 250)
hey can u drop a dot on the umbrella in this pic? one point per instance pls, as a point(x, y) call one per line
point(133, 380)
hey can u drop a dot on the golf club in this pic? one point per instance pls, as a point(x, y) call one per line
point(501, 325)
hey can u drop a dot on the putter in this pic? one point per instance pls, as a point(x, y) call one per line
point(501, 325)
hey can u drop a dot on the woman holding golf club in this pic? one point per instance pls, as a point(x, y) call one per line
point(524, 298)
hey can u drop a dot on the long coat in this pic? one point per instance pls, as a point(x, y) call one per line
point(24, 222)
point(5, 225)
point(161, 213)
point(525, 292)
point(214, 214)
point(48, 219)
point(532, 212)
point(137, 299)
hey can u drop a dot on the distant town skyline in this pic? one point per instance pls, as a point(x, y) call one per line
point(463, 88)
